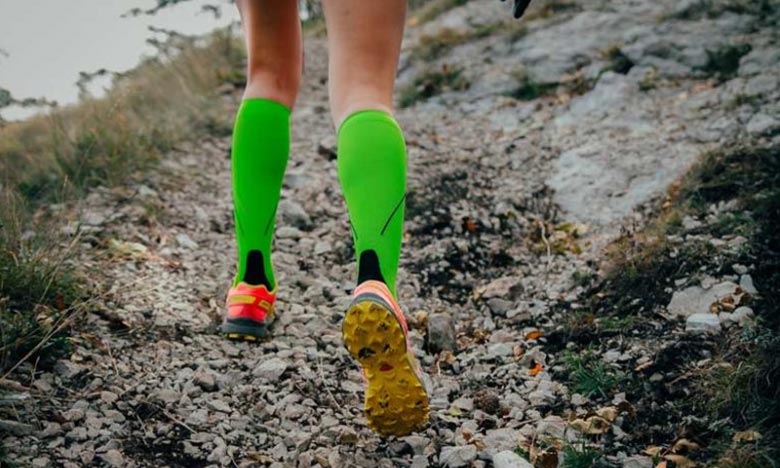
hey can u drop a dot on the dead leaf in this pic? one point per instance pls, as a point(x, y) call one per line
point(610, 413)
point(534, 335)
point(536, 368)
point(653, 450)
point(594, 425)
point(683, 445)
point(661, 465)
point(746, 436)
point(680, 461)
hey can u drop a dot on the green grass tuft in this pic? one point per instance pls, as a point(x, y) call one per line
point(433, 82)
point(590, 375)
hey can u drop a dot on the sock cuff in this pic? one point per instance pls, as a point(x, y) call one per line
point(263, 103)
point(368, 115)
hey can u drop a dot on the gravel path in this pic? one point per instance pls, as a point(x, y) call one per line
point(508, 199)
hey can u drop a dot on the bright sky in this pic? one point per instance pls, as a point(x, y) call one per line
point(46, 43)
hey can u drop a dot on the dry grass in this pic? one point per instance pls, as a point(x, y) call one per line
point(99, 141)
point(50, 159)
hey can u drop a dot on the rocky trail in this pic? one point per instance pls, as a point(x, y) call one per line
point(539, 142)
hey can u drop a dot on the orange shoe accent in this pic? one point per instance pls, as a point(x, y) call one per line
point(377, 337)
point(250, 309)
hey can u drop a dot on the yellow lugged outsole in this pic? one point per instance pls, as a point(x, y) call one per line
point(241, 337)
point(395, 402)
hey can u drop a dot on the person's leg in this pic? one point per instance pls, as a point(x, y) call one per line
point(364, 43)
point(365, 40)
point(261, 142)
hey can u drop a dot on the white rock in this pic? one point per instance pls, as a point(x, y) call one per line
point(746, 283)
point(702, 323)
point(694, 299)
point(114, 458)
point(743, 315)
point(271, 369)
point(509, 459)
point(185, 241)
point(638, 461)
point(454, 457)
point(739, 269)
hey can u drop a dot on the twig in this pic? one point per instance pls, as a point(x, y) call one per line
point(322, 378)
point(172, 418)
point(543, 232)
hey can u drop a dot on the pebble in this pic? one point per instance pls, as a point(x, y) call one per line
point(702, 323)
point(206, 381)
point(455, 457)
point(441, 333)
point(509, 459)
point(114, 458)
point(271, 370)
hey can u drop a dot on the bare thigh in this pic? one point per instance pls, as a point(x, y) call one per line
point(272, 30)
point(364, 41)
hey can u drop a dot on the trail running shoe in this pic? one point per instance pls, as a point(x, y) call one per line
point(250, 310)
point(376, 335)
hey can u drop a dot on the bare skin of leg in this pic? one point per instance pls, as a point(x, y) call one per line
point(272, 29)
point(364, 41)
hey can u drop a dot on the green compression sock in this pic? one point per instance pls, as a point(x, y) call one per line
point(261, 144)
point(372, 172)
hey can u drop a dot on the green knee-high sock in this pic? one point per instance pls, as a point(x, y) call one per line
point(261, 143)
point(372, 172)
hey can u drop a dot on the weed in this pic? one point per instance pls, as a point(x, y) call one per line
point(723, 62)
point(582, 457)
point(57, 157)
point(618, 61)
point(590, 375)
point(36, 291)
point(528, 89)
point(433, 82)
point(649, 81)
point(428, 10)
point(432, 47)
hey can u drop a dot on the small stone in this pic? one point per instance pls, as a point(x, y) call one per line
point(16, 428)
point(487, 400)
point(73, 414)
point(454, 457)
point(499, 306)
point(746, 283)
point(509, 459)
point(419, 461)
point(271, 369)
point(441, 333)
point(52, 429)
point(185, 241)
point(40, 462)
point(322, 247)
point(167, 395)
point(67, 369)
point(743, 315)
point(218, 405)
point(114, 458)
point(739, 269)
point(108, 397)
point(763, 124)
point(638, 461)
point(702, 323)
point(294, 214)
point(206, 381)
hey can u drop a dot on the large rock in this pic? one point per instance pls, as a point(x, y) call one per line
point(271, 369)
point(441, 333)
point(702, 323)
point(509, 459)
point(695, 299)
point(454, 457)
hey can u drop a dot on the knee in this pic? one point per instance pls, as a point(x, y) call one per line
point(278, 83)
